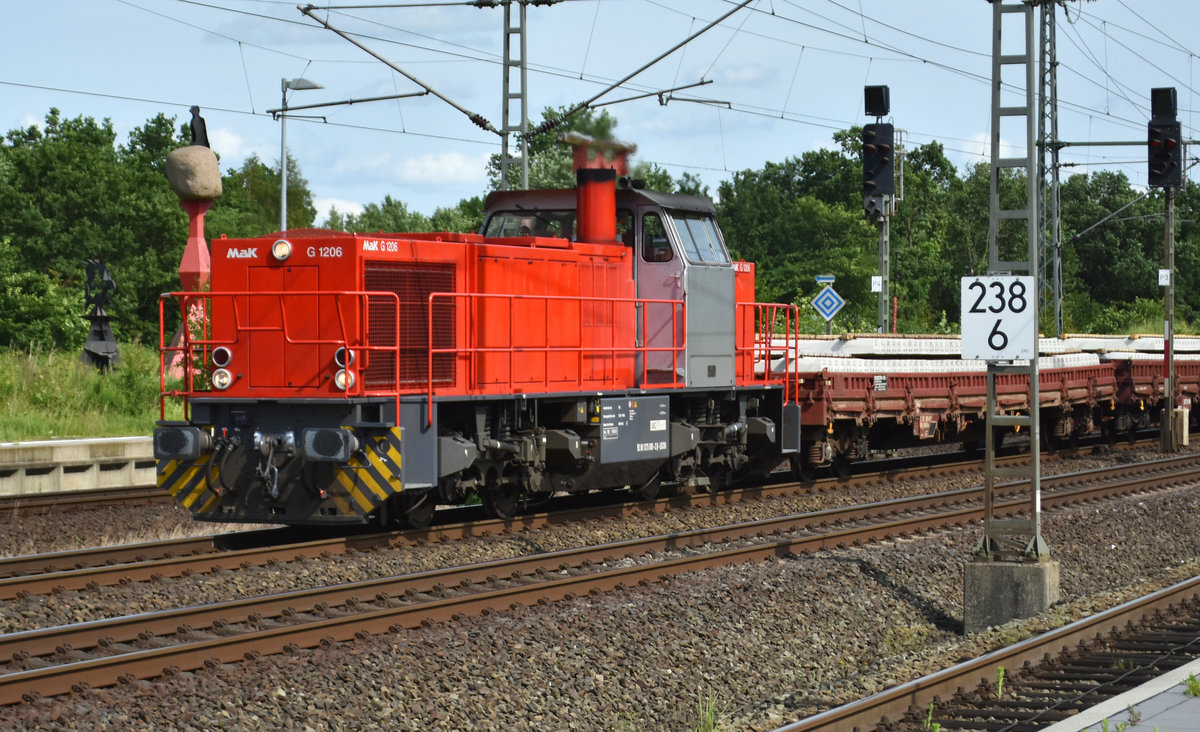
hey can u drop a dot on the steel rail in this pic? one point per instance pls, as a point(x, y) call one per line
point(570, 572)
point(916, 695)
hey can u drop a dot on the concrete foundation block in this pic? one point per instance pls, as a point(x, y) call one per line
point(995, 592)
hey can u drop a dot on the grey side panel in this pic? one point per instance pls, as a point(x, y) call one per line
point(634, 428)
point(789, 435)
point(420, 446)
point(710, 321)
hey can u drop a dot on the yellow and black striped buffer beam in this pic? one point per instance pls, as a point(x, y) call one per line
point(187, 481)
point(374, 475)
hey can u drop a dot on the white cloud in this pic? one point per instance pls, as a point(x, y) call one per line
point(449, 168)
point(746, 74)
point(231, 146)
point(342, 205)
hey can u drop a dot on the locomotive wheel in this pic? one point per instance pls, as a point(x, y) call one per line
point(417, 510)
point(649, 491)
point(502, 500)
point(718, 480)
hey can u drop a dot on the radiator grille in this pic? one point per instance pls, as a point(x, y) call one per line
point(412, 282)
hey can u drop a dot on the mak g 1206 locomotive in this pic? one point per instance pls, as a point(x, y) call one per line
point(600, 337)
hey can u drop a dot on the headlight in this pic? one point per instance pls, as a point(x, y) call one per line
point(281, 249)
point(221, 379)
point(344, 379)
point(221, 356)
point(343, 357)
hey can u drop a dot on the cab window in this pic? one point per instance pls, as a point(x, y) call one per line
point(699, 237)
point(655, 245)
point(532, 223)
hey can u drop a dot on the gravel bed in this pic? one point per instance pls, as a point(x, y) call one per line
point(79, 606)
point(765, 642)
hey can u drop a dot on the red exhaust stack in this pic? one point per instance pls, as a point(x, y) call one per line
point(597, 165)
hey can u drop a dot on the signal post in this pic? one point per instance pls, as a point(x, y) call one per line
point(879, 186)
point(1011, 575)
point(1165, 170)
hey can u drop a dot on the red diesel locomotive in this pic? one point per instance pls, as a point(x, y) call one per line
point(585, 339)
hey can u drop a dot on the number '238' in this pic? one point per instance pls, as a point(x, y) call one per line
point(1013, 299)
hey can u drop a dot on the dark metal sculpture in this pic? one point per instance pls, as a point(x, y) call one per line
point(100, 349)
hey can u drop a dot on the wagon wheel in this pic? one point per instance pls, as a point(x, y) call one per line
point(502, 501)
point(1108, 430)
point(841, 466)
point(802, 470)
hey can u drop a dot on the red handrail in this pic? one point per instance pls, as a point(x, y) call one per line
point(769, 319)
point(461, 352)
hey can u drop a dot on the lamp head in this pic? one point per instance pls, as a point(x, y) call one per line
point(300, 83)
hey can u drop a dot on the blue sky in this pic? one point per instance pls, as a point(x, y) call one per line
point(791, 71)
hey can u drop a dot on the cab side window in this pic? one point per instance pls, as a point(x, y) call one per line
point(655, 245)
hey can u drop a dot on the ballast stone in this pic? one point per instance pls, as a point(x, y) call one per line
point(193, 173)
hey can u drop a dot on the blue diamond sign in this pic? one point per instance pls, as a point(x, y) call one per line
point(828, 302)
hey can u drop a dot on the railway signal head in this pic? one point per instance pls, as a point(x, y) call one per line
point(874, 207)
point(1165, 155)
point(879, 177)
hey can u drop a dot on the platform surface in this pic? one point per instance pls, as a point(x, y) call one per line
point(1160, 705)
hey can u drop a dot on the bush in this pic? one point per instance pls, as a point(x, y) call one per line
point(52, 393)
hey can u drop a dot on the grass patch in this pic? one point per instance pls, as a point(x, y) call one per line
point(1191, 685)
point(47, 393)
point(710, 714)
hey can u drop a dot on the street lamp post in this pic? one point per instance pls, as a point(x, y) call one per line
point(286, 84)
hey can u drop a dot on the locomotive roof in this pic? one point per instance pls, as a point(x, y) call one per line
point(564, 198)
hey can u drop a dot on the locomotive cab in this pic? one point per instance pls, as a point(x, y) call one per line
point(679, 256)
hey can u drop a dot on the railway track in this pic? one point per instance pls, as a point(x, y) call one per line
point(40, 504)
point(106, 566)
point(13, 507)
point(56, 660)
point(1045, 679)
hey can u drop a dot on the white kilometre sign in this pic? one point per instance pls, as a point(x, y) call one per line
point(999, 317)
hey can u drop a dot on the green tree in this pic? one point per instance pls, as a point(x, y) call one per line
point(68, 193)
point(465, 217)
point(389, 215)
point(35, 308)
point(779, 217)
point(1113, 261)
point(925, 264)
